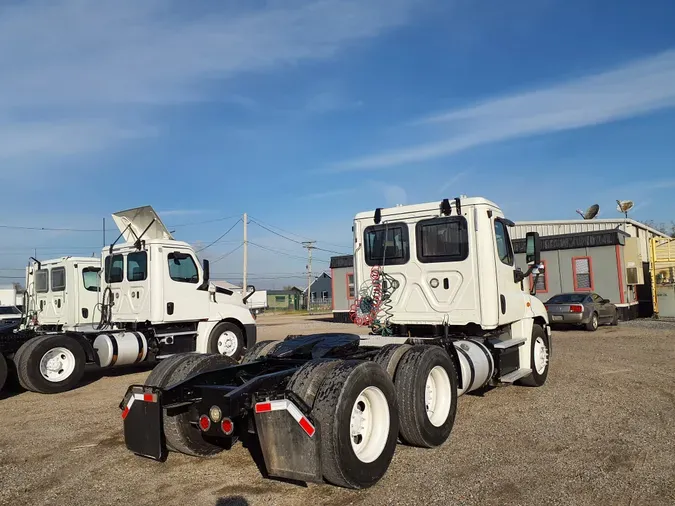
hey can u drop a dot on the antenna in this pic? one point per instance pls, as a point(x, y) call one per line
point(623, 206)
point(590, 213)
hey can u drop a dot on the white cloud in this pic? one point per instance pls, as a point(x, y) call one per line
point(636, 88)
point(70, 63)
point(394, 195)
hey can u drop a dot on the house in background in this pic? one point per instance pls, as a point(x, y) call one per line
point(343, 289)
point(321, 291)
point(608, 257)
point(284, 300)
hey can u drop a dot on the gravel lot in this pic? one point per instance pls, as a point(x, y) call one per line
point(601, 431)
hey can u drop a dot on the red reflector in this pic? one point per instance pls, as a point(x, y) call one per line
point(263, 407)
point(125, 412)
point(576, 309)
point(227, 426)
point(148, 398)
point(204, 423)
point(307, 427)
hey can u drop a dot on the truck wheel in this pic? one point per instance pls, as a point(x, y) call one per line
point(50, 364)
point(227, 339)
point(259, 350)
point(426, 387)
point(358, 418)
point(3, 371)
point(539, 358)
point(592, 324)
point(307, 380)
point(389, 356)
point(164, 368)
point(182, 435)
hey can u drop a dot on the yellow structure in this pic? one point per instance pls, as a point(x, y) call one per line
point(662, 271)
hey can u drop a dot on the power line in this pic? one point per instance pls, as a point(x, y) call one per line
point(275, 233)
point(214, 242)
point(258, 222)
point(203, 222)
point(227, 254)
point(287, 254)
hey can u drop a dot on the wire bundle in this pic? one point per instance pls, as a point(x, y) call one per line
point(373, 306)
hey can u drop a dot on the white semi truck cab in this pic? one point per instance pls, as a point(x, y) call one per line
point(149, 300)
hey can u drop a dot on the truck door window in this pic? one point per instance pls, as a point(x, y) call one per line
point(504, 249)
point(58, 279)
point(114, 269)
point(183, 268)
point(442, 240)
point(42, 281)
point(387, 244)
point(137, 266)
point(90, 278)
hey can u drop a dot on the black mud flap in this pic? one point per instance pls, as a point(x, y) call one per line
point(143, 429)
point(290, 441)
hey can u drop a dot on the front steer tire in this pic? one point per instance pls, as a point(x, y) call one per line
point(30, 355)
point(340, 394)
point(3, 371)
point(537, 378)
point(181, 434)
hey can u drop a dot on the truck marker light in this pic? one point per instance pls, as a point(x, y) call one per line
point(227, 426)
point(204, 423)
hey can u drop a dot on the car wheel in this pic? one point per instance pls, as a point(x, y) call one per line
point(592, 324)
point(615, 320)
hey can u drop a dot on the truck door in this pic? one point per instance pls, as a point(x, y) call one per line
point(182, 277)
point(511, 301)
point(58, 291)
point(137, 293)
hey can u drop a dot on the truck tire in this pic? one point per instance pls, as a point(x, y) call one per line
point(181, 434)
point(227, 339)
point(3, 371)
point(50, 364)
point(357, 413)
point(389, 356)
point(592, 324)
point(259, 350)
point(164, 368)
point(539, 358)
point(307, 380)
point(426, 387)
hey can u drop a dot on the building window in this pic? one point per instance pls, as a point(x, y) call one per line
point(182, 268)
point(313, 296)
point(542, 280)
point(351, 291)
point(137, 266)
point(114, 269)
point(42, 281)
point(387, 244)
point(91, 279)
point(279, 299)
point(324, 295)
point(442, 240)
point(582, 270)
point(58, 279)
point(504, 249)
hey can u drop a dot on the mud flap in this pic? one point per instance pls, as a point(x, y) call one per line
point(289, 440)
point(143, 429)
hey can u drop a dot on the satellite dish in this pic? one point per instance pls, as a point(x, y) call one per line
point(590, 213)
point(623, 206)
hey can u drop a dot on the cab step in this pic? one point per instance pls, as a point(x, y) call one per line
point(515, 375)
point(509, 343)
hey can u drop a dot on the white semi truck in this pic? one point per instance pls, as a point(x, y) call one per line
point(149, 300)
point(450, 312)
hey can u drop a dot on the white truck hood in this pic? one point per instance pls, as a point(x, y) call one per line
point(133, 222)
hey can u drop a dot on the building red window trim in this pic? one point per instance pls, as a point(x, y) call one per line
point(590, 274)
point(545, 290)
point(350, 299)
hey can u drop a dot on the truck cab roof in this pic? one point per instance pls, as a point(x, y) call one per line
point(401, 212)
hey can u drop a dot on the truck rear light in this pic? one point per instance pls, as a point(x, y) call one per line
point(576, 309)
point(215, 413)
point(204, 423)
point(227, 426)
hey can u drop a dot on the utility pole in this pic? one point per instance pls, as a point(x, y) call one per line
point(245, 270)
point(310, 246)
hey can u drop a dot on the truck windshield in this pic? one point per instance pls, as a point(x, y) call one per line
point(387, 244)
point(5, 310)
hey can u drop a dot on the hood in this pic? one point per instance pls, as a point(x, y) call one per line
point(133, 222)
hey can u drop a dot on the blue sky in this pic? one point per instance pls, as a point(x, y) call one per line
point(303, 113)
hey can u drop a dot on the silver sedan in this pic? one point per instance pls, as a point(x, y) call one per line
point(583, 309)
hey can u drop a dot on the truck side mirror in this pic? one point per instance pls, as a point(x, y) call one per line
point(207, 270)
point(532, 248)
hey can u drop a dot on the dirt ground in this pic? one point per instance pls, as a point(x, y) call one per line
point(601, 431)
